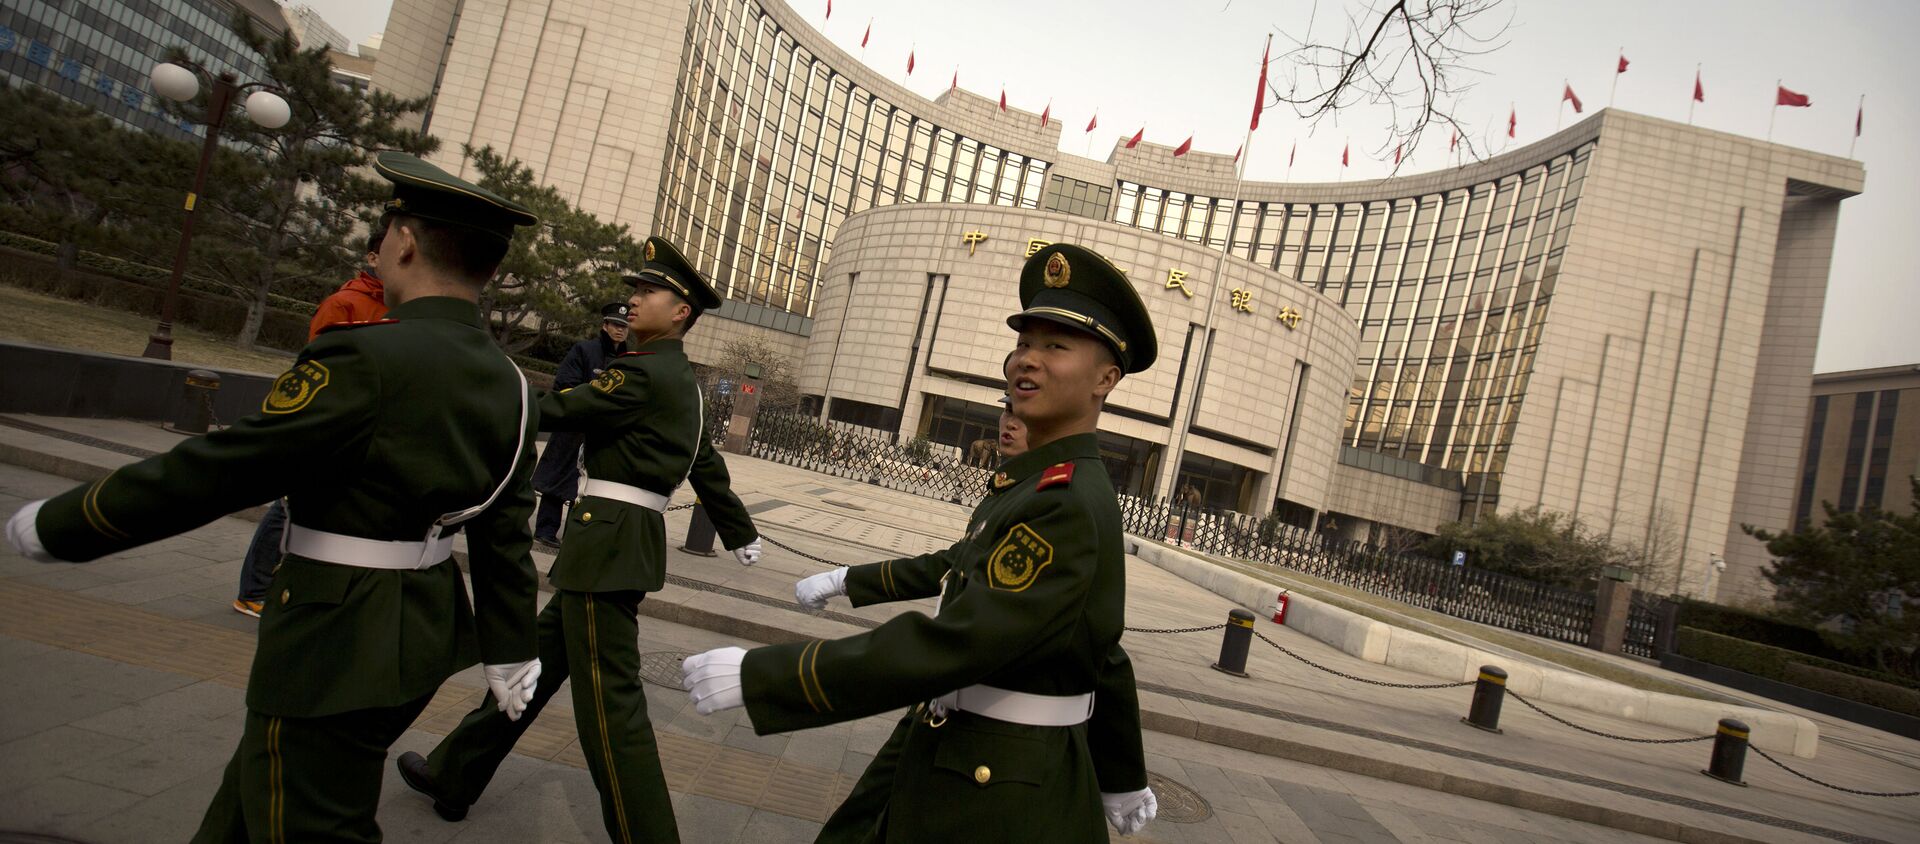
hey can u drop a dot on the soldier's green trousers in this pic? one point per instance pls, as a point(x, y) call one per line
point(592, 636)
point(306, 779)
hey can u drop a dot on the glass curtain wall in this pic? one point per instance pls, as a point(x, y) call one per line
point(1451, 292)
point(770, 149)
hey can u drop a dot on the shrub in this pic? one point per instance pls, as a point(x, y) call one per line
point(1767, 661)
point(1858, 689)
point(1754, 627)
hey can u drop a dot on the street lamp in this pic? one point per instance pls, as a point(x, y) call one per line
point(180, 82)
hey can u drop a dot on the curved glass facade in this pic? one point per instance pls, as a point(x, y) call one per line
point(771, 148)
point(1451, 291)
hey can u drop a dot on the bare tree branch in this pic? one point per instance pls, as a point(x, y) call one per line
point(1413, 56)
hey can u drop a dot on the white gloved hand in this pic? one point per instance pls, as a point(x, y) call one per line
point(712, 679)
point(749, 553)
point(813, 591)
point(1129, 811)
point(512, 685)
point(25, 536)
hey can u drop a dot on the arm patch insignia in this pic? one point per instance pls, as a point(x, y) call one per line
point(1059, 474)
point(1016, 562)
point(295, 388)
point(609, 380)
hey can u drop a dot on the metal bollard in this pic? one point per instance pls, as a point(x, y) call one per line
point(196, 407)
point(1729, 752)
point(1234, 643)
point(700, 533)
point(1489, 692)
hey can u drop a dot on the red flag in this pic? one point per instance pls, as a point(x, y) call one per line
point(1343, 154)
point(1094, 122)
point(1184, 147)
point(1290, 153)
point(1859, 116)
point(1790, 98)
point(1046, 114)
point(1623, 65)
point(1570, 97)
point(956, 80)
point(1260, 92)
point(1135, 140)
point(1453, 141)
point(910, 62)
point(1003, 98)
point(869, 33)
point(1513, 120)
point(1396, 154)
point(1236, 152)
point(829, 9)
point(1699, 93)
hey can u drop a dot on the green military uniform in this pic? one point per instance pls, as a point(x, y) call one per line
point(379, 437)
point(1033, 601)
point(643, 421)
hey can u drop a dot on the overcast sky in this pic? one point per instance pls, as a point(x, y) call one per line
point(1183, 67)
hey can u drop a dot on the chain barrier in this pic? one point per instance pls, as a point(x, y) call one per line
point(1783, 766)
point(814, 557)
point(1530, 705)
point(1175, 629)
point(1337, 673)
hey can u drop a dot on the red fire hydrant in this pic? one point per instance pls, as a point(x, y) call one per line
point(1280, 608)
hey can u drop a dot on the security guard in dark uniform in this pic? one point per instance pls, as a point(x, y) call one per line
point(385, 438)
point(557, 476)
point(643, 419)
point(1032, 603)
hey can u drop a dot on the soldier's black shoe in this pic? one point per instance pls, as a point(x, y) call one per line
point(413, 770)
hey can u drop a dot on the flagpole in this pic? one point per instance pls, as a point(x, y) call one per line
point(1776, 110)
point(1691, 99)
point(1213, 294)
point(1857, 115)
point(1616, 76)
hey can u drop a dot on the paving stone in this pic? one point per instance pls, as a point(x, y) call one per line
point(52, 752)
point(707, 819)
point(766, 827)
point(171, 815)
point(198, 708)
point(742, 736)
point(162, 762)
point(47, 704)
point(62, 803)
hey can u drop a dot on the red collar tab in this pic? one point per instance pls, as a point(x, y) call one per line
point(1059, 474)
point(357, 324)
point(632, 354)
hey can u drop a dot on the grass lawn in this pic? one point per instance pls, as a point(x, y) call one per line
point(52, 321)
point(1397, 614)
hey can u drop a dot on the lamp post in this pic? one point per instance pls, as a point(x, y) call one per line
point(180, 82)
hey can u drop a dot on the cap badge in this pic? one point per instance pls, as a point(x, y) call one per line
point(1057, 271)
point(649, 250)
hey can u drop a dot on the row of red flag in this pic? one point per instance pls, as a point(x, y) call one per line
point(1783, 96)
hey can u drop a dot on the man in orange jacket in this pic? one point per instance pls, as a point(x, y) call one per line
point(363, 299)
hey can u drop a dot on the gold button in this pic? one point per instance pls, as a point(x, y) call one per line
point(286, 595)
point(982, 774)
point(586, 517)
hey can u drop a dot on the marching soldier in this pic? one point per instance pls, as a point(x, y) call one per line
point(643, 419)
point(1004, 677)
point(1114, 729)
point(405, 430)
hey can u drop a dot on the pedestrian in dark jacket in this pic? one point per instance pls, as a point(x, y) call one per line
point(558, 474)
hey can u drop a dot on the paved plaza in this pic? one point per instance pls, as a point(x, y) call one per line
point(128, 678)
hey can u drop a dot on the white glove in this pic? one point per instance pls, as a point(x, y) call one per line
point(749, 553)
point(512, 685)
point(712, 679)
point(25, 537)
point(1129, 811)
point(813, 591)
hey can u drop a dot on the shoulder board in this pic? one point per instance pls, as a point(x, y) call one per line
point(1059, 474)
point(632, 354)
point(342, 326)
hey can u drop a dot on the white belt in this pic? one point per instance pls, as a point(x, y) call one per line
point(626, 492)
point(367, 553)
point(1019, 707)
